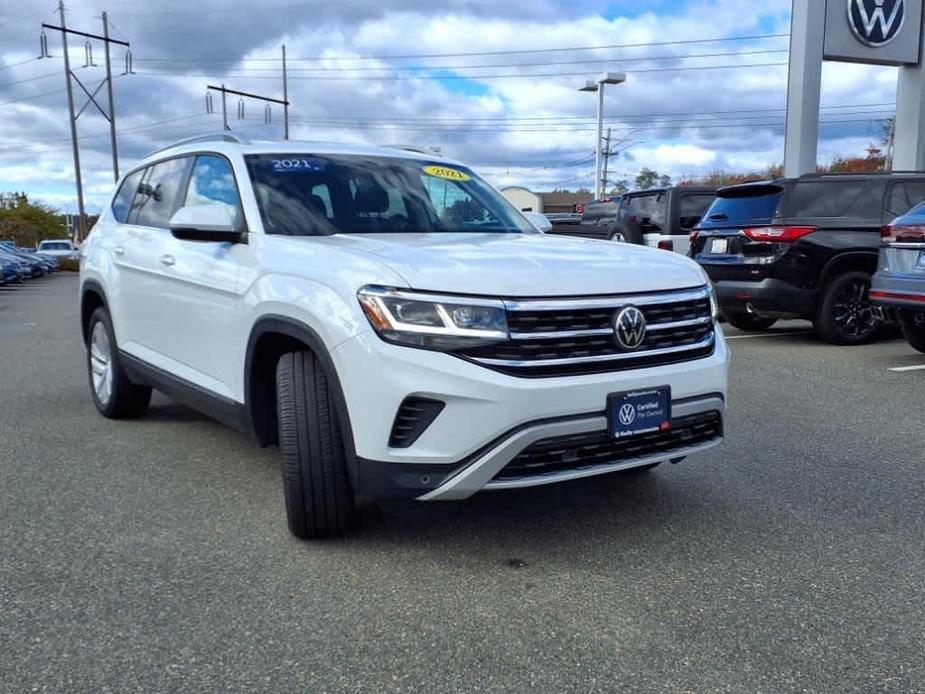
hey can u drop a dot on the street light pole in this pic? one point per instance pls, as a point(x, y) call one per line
point(598, 86)
point(600, 141)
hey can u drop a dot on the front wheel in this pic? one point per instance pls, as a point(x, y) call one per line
point(319, 498)
point(749, 322)
point(114, 395)
point(845, 315)
point(915, 336)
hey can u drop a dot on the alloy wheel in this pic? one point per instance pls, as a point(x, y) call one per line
point(852, 312)
point(101, 363)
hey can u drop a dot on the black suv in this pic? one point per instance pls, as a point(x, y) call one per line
point(661, 217)
point(658, 217)
point(802, 248)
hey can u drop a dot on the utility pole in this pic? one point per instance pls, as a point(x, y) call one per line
point(112, 107)
point(72, 119)
point(225, 91)
point(285, 97)
point(69, 76)
point(607, 154)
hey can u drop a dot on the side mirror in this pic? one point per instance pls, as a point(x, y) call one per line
point(539, 221)
point(208, 222)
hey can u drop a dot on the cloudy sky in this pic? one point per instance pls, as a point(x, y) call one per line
point(493, 83)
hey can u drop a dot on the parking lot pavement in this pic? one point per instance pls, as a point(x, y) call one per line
point(154, 555)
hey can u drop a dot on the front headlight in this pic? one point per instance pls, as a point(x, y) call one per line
point(714, 304)
point(435, 322)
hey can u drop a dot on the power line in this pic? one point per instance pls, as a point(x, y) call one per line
point(33, 97)
point(21, 62)
point(29, 79)
point(342, 68)
point(365, 77)
point(533, 51)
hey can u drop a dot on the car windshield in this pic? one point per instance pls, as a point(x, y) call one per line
point(54, 246)
point(311, 195)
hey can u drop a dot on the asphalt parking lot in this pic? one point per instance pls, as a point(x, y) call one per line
point(153, 555)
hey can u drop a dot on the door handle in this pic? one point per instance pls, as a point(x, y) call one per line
point(119, 250)
point(167, 260)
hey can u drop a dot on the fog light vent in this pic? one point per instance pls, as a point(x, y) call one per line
point(414, 416)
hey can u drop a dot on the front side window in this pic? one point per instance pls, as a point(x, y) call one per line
point(212, 182)
point(122, 203)
point(306, 194)
point(158, 193)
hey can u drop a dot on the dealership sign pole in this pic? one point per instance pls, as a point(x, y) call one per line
point(874, 32)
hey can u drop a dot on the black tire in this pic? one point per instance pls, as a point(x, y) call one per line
point(125, 399)
point(319, 499)
point(630, 231)
point(845, 315)
point(748, 322)
point(915, 336)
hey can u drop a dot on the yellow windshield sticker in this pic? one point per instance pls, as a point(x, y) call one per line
point(447, 173)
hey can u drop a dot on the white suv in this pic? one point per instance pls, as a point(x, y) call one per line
point(393, 324)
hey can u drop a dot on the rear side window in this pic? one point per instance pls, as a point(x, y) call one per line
point(904, 196)
point(158, 193)
point(647, 209)
point(122, 203)
point(693, 205)
point(824, 198)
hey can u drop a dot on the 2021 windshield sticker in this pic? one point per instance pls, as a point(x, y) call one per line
point(447, 173)
point(286, 165)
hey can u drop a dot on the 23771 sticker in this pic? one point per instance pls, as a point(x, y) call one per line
point(447, 173)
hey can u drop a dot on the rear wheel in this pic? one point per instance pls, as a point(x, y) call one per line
point(748, 322)
point(845, 315)
point(114, 395)
point(319, 499)
point(626, 232)
point(915, 336)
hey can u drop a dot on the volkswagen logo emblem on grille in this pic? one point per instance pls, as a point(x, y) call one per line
point(629, 327)
point(627, 415)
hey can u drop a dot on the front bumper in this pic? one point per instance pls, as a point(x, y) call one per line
point(489, 417)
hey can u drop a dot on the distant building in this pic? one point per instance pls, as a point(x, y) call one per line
point(526, 200)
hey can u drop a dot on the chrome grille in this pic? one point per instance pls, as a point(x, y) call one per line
point(560, 337)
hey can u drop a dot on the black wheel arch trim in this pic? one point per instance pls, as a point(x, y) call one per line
point(289, 327)
point(87, 287)
point(829, 270)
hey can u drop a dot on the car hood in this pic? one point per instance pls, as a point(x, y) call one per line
point(517, 265)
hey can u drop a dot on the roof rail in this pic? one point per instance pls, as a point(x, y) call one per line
point(862, 173)
point(211, 137)
point(417, 148)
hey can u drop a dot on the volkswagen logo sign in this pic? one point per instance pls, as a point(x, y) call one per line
point(876, 22)
point(629, 327)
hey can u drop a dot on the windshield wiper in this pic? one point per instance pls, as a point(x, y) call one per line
point(719, 216)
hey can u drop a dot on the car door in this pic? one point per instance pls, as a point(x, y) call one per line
point(146, 323)
point(201, 291)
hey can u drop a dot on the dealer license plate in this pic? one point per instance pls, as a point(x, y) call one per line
point(719, 246)
point(639, 412)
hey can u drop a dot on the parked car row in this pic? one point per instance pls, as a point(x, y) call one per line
point(19, 264)
point(804, 247)
point(808, 247)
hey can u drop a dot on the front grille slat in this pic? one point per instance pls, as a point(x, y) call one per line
point(589, 450)
point(562, 337)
